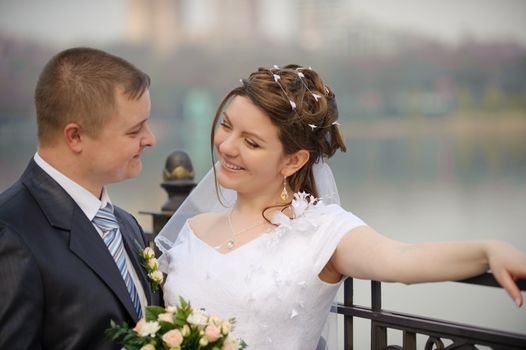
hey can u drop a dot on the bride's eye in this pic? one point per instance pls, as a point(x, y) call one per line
point(251, 144)
point(225, 125)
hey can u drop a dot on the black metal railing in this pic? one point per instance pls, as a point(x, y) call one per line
point(438, 332)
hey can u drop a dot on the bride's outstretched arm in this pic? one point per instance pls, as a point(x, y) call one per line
point(365, 254)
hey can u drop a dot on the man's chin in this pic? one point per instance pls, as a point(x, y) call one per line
point(135, 170)
point(130, 173)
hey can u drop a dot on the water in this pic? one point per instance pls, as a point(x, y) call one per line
point(415, 185)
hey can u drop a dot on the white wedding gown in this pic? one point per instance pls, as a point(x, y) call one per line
point(271, 284)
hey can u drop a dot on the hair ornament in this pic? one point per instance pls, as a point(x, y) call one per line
point(312, 126)
point(292, 104)
point(302, 76)
point(336, 123)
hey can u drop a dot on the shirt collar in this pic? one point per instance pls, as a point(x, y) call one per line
point(88, 203)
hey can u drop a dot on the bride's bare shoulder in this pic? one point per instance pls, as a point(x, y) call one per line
point(203, 222)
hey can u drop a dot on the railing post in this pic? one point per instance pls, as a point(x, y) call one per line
point(378, 332)
point(178, 181)
point(348, 320)
point(409, 340)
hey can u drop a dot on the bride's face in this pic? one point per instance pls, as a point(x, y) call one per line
point(249, 150)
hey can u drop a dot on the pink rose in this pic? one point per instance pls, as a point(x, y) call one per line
point(173, 338)
point(231, 343)
point(139, 326)
point(228, 346)
point(166, 317)
point(212, 333)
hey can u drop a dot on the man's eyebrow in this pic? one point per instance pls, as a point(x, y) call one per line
point(141, 123)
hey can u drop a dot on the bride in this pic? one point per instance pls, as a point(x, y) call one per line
point(262, 238)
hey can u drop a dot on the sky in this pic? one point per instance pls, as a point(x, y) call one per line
point(63, 21)
point(451, 20)
point(66, 21)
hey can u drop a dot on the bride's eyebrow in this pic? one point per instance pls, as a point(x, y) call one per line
point(248, 133)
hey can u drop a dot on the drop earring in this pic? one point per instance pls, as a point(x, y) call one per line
point(284, 194)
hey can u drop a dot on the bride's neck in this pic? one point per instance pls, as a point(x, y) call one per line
point(254, 206)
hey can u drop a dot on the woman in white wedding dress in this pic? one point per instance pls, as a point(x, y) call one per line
point(274, 250)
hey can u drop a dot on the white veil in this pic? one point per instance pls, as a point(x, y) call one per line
point(203, 199)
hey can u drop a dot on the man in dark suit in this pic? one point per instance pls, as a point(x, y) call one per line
point(69, 259)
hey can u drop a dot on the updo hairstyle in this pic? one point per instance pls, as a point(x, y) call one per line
point(303, 109)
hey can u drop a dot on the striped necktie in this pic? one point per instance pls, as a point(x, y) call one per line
point(111, 234)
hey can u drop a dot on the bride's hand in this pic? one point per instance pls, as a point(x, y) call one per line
point(507, 265)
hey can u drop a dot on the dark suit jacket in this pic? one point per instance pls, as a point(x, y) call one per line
point(60, 286)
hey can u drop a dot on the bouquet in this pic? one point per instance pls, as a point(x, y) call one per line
point(177, 328)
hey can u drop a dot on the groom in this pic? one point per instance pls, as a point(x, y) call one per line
point(69, 260)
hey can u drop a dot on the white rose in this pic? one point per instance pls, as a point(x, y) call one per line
point(149, 329)
point(226, 327)
point(185, 331)
point(153, 264)
point(157, 276)
point(198, 317)
point(148, 253)
point(147, 347)
point(203, 342)
point(171, 309)
point(216, 321)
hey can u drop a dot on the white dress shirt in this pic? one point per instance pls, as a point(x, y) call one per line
point(90, 205)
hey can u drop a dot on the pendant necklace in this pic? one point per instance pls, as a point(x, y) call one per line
point(231, 243)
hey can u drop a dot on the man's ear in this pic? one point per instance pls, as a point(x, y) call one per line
point(295, 161)
point(73, 137)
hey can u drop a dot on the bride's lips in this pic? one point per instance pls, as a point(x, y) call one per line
point(230, 166)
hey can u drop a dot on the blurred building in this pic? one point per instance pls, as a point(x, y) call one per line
point(307, 24)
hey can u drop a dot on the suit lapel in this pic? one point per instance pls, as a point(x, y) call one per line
point(63, 213)
point(87, 244)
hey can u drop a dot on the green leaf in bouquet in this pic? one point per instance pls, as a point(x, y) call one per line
point(180, 319)
point(166, 326)
point(183, 304)
point(117, 331)
point(152, 312)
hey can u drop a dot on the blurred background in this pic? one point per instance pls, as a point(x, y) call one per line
point(432, 98)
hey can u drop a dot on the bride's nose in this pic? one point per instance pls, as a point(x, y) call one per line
point(228, 145)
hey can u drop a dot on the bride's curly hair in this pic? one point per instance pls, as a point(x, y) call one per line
point(303, 109)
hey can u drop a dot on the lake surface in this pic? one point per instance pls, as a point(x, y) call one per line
point(436, 182)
